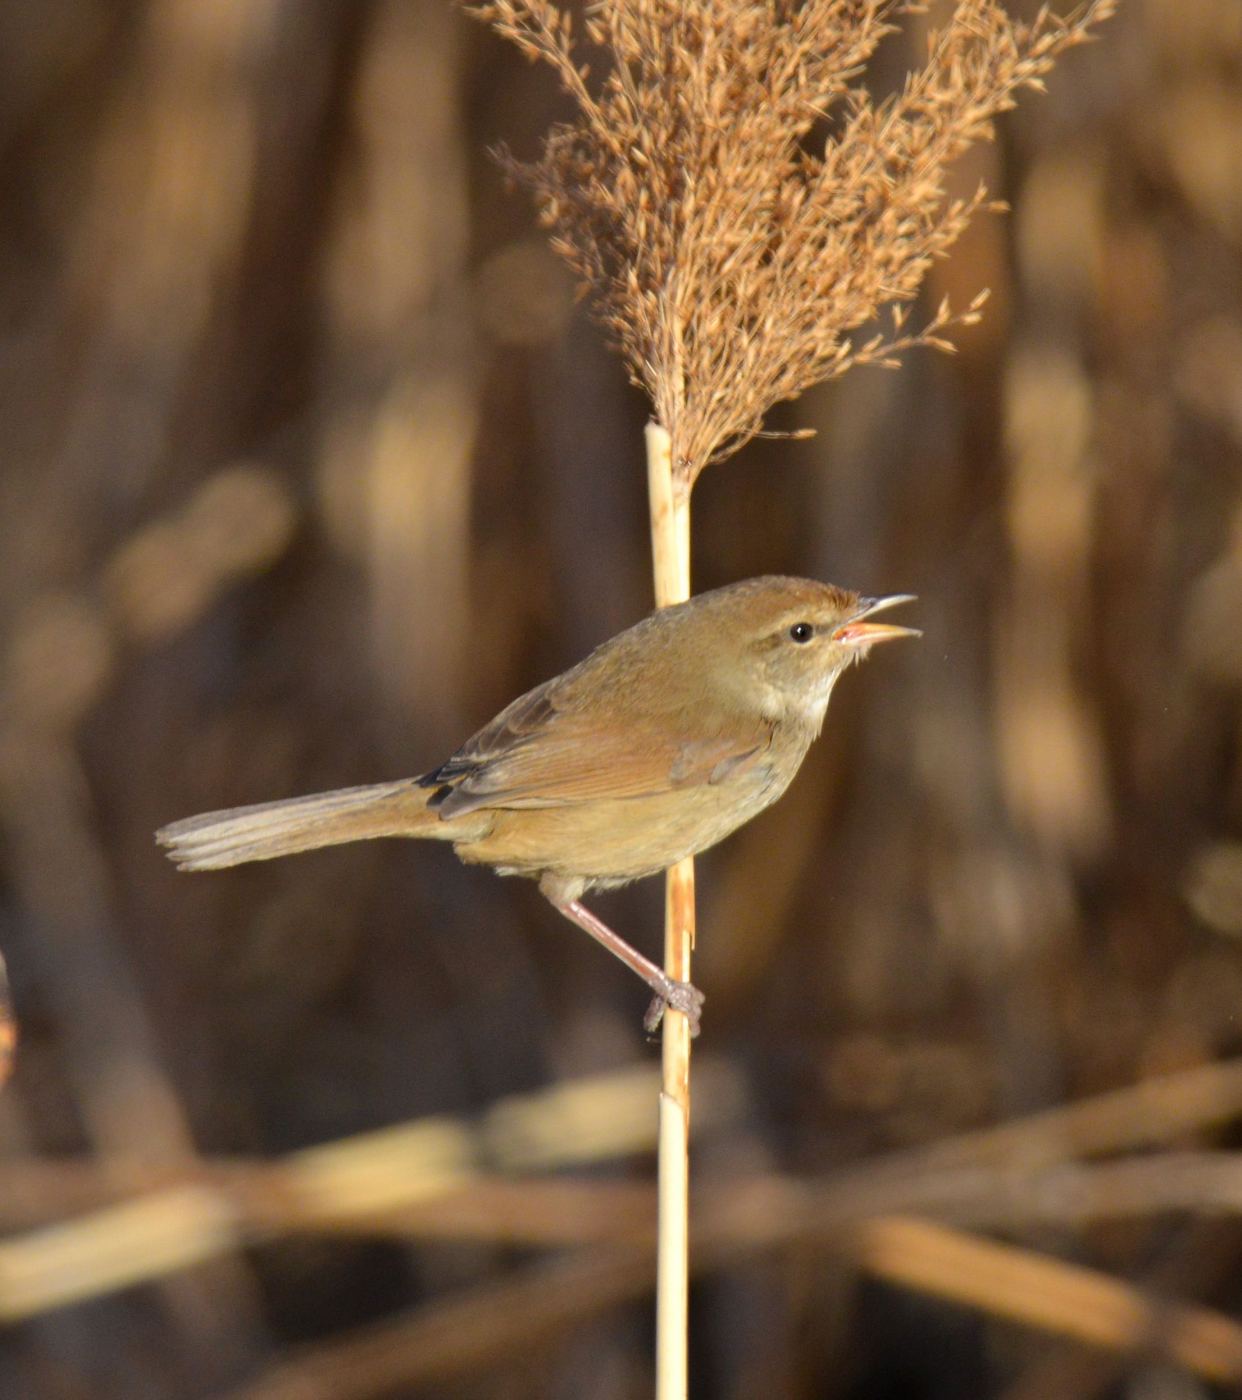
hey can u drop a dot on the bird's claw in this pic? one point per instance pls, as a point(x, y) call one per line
point(675, 996)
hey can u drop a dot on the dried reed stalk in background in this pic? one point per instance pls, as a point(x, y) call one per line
point(738, 205)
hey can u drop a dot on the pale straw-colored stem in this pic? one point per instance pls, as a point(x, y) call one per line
point(670, 553)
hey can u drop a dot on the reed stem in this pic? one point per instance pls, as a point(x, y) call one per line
point(670, 553)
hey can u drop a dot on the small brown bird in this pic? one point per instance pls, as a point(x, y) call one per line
point(656, 746)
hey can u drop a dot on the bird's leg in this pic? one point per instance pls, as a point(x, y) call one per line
point(681, 996)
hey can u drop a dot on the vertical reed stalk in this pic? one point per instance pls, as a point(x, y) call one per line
point(735, 255)
point(670, 554)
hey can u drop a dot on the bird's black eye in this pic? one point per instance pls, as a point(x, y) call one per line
point(802, 632)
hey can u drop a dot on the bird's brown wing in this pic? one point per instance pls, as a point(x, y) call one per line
point(545, 751)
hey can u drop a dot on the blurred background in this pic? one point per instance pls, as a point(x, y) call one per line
point(311, 462)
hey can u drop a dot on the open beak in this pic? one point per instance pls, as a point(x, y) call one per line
point(857, 633)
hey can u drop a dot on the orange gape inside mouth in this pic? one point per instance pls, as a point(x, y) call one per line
point(855, 634)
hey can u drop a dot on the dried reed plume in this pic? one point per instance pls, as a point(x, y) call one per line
point(729, 259)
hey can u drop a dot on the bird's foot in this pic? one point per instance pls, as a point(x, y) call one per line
point(675, 996)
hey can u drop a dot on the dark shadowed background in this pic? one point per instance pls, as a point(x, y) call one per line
point(309, 463)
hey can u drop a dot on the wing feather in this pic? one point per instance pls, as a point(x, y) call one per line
point(547, 750)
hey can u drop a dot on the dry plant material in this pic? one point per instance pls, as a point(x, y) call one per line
point(8, 1027)
point(731, 249)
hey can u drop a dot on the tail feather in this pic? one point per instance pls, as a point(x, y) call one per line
point(214, 840)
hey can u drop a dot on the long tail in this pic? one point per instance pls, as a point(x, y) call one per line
point(239, 834)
